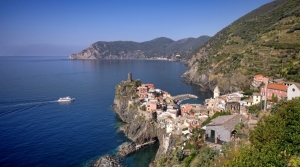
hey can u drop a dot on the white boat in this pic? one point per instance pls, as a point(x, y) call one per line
point(66, 99)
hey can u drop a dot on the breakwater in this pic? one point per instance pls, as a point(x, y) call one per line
point(179, 98)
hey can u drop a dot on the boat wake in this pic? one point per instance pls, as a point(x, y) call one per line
point(27, 104)
point(6, 108)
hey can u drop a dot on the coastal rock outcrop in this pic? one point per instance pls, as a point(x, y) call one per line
point(107, 161)
point(126, 149)
point(140, 128)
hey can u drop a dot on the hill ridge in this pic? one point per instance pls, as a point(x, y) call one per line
point(158, 47)
point(266, 41)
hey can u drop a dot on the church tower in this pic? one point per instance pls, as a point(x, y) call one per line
point(216, 92)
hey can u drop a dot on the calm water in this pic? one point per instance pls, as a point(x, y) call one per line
point(36, 130)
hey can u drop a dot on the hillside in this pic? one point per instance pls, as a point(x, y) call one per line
point(265, 41)
point(159, 47)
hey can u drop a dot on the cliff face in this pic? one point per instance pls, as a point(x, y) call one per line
point(133, 50)
point(140, 127)
point(264, 41)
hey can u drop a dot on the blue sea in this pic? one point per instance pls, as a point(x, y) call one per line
point(36, 130)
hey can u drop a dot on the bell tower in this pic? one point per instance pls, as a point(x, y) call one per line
point(216, 92)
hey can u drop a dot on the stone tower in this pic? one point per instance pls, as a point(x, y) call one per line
point(129, 79)
point(216, 92)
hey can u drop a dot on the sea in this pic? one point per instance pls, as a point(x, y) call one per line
point(37, 130)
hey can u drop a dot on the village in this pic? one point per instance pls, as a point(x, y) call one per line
point(181, 119)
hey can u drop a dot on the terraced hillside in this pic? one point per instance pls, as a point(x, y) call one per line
point(266, 41)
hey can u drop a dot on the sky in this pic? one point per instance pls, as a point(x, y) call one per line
point(73, 25)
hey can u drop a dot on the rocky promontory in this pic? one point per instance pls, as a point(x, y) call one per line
point(126, 149)
point(159, 47)
point(107, 161)
point(140, 126)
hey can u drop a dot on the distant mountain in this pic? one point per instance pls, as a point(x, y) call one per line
point(159, 47)
point(265, 41)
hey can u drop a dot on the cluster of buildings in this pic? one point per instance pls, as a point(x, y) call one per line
point(174, 118)
point(222, 128)
point(276, 88)
point(181, 119)
point(231, 102)
point(237, 103)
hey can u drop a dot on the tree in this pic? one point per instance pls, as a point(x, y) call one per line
point(248, 92)
point(274, 98)
point(276, 139)
point(255, 109)
point(143, 108)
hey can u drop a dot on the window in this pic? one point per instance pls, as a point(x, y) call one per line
point(293, 89)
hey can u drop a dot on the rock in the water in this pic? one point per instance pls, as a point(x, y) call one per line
point(126, 148)
point(107, 161)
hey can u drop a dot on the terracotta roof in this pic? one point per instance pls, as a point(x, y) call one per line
point(277, 86)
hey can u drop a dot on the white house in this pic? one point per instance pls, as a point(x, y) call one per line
point(293, 91)
point(223, 127)
point(256, 98)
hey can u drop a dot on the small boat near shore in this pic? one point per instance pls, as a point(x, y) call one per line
point(66, 99)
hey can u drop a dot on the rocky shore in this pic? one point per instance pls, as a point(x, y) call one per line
point(107, 161)
point(126, 149)
point(141, 128)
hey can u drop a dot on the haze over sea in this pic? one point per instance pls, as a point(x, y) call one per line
point(36, 130)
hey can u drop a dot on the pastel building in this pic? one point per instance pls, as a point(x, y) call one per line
point(143, 92)
point(258, 79)
point(149, 86)
point(276, 89)
point(151, 105)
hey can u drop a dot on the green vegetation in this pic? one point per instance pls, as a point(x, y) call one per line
point(274, 142)
point(276, 139)
point(247, 92)
point(256, 109)
point(204, 158)
point(265, 41)
point(238, 127)
point(143, 108)
point(155, 48)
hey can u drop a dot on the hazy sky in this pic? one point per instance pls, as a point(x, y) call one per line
point(81, 23)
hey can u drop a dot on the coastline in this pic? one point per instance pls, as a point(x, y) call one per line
point(143, 127)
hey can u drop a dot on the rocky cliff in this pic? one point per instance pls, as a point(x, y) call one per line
point(159, 47)
point(264, 41)
point(140, 126)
